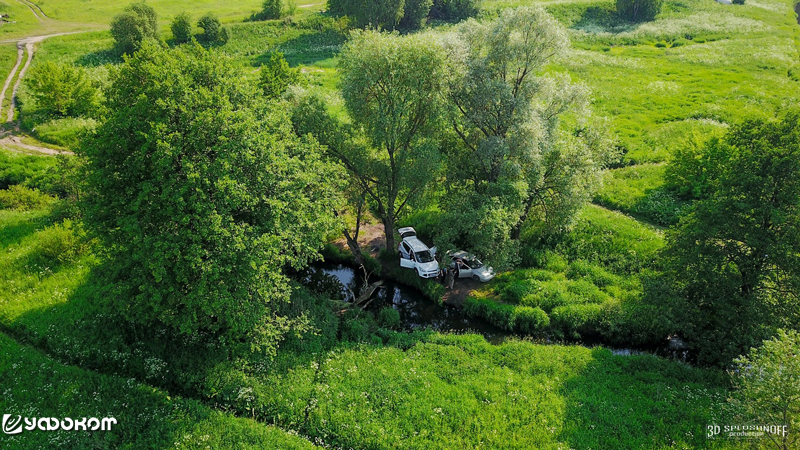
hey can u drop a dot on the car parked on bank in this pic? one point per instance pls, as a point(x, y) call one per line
point(414, 254)
point(468, 266)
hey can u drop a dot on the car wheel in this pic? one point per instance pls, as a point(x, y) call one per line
point(476, 278)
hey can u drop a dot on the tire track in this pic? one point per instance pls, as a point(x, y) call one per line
point(20, 54)
point(31, 8)
point(34, 5)
point(23, 45)
point(29, 47)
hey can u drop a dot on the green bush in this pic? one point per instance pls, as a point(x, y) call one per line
point(498, 314)
point(357, 326)
point(639, 10)
point(530, 320)
point(369, 13)
point(454, 10)
point(137, 23)
point(212, 29)
point(389, 318)
point(584, 291)
point(277, 76)
point(60, 243)
point(21, 198)
point(514, 292)
point(577, 320)
point(548, 296)
point(181, 28)
point(414, 14)
point(271, 9)
point(62, 90)
point(521, 319)
point(596, 274)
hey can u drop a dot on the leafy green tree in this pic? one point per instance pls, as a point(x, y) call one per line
point(277, 76)
point(392, 89)
point(182, 28)
point(736, 256)
point(212, 29)
point(694, 165)
point(310, 116)
point(202, 196)
point(414, 14)
point(526, 150)
point(767, 383)
point(454, 10)
point(638, 10)
point(385, 14)
point(133, 26)
point(62, 90)
point(271, 9)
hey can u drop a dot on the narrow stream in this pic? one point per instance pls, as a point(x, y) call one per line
point(418, 313)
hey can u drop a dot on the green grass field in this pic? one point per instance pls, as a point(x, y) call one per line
point(432, 391)
point(697, 68)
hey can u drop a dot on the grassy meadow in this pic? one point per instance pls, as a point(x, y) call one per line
point(350, 382)
point(379, 390)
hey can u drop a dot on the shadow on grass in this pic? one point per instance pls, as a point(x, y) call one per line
point(306, 49)
point(624, 402)
point(87, 331)
point(99, 58)
point(15, 232)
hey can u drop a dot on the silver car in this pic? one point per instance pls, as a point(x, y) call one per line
point(414, 254)
point(468, 266)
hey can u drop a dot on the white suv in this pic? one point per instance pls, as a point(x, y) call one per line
point(414, 254)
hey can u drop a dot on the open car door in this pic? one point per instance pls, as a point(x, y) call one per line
point(405, 256)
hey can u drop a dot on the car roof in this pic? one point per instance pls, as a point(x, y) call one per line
point(415, 244)
point(459, 254)
point(407, 231)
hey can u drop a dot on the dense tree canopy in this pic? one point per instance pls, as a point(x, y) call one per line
point(527, 150)
point(736, 256)
point(202, 195)
point(133, 26)
point(385, 14)
point(392, 90)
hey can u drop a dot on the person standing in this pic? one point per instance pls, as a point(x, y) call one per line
point(449, 278)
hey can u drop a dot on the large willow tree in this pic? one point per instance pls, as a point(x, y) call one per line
point(202, 195)
point(392, 88)
point(526, 150)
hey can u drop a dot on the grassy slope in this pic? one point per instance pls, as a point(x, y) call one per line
point(34, 385)
point(443, 392)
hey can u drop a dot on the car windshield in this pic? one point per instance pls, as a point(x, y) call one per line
point(424, 256)
point(474, 263)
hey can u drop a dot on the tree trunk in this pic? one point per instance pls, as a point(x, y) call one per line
point(388, 231)
point(355, 248)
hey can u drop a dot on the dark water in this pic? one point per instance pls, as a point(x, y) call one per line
point(418, 313)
